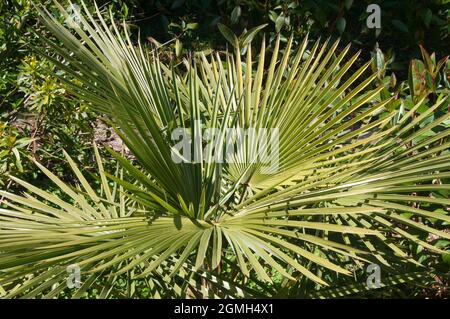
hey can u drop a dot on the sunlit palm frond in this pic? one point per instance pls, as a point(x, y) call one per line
point(354, 181)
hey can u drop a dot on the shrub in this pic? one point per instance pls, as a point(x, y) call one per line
point(357, 181)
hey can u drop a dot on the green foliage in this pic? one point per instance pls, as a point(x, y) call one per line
point(428, 76)
point(12, 151)
point(360, 180)
point(419, 22)
point(34, 103)
point(226, 248)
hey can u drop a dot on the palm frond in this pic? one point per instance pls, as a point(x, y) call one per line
point(354, 179)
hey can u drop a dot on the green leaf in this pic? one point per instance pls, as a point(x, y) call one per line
point(427, 17)
point(248, 36)
point(279, 22)
point(18, 160)
point(399, 25)
point(178, 47)
point(348, 4)
point(191, 26)
point(340, 24)
point(177, 3)
point(235, 14)
point(228, 34)
point(273, 16)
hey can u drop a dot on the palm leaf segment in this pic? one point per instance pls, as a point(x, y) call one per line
point(347, 167)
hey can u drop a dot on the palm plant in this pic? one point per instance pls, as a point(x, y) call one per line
point(357, 182)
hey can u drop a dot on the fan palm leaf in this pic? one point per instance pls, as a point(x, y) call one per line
point(347, 168)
